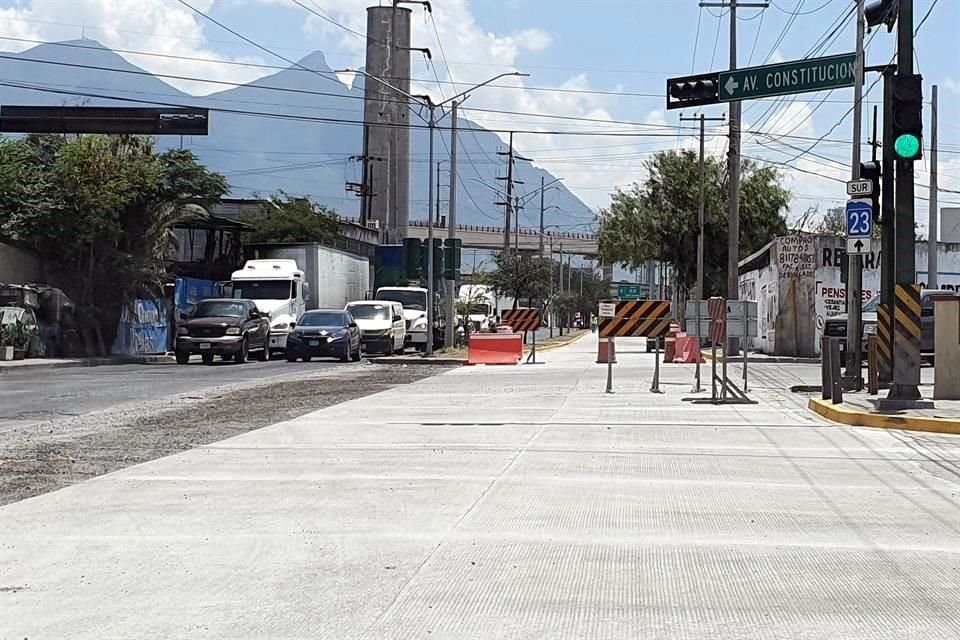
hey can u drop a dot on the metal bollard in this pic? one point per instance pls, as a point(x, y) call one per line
point(836, 386)
point(826, 385)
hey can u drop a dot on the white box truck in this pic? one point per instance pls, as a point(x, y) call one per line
point(287, 279)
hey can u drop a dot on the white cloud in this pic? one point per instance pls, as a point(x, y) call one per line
point(952, 85)
point(156, 26)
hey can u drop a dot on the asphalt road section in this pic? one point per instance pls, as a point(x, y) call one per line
point(131, 414)
point(32, 395)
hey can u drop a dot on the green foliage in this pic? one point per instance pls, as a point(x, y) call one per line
point(101, 210)
point(286, 219)
point(658, 220)
point(521, 277)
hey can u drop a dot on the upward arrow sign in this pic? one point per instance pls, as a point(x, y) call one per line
point(731, 85)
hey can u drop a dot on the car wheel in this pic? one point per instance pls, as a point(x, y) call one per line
point(242, 354)
point(207, 358)
point(183, 357)
point(264, 354)
point(357, 355)
point(291, 357)
point(307, 358)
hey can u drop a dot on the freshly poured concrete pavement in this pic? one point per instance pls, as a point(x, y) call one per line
point(518, 502)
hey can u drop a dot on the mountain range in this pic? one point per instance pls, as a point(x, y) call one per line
point(305, 152)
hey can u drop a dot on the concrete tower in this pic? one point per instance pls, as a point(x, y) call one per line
point(387, 148)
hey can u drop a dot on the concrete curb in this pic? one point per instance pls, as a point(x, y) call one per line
point(417, 360)
point(556, 345)
point(856, 418)
point(89, 362)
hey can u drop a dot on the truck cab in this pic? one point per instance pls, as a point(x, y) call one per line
point(414, 301)
point(279, 289)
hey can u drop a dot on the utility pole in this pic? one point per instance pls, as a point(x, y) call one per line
point(508, 201)
point(699, 295)
point(733, 241)
point(450, 335)
point(541, 219)
point(516, 225)
point(854, 262)
point(932, 280)
point(436, 213)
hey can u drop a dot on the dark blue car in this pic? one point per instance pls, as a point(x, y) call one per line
point(330, 333)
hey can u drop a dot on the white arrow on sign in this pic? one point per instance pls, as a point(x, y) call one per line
point(731, 85)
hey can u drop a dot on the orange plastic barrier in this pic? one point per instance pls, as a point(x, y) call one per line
point(670, 343)
point(495, 348)
point(687, 350)
point(603, 354)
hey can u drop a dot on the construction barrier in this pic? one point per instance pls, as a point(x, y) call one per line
point(670, 343)
point(885, 343)
point(495, 348)
point(606, 352)
point(637, 318)
point(522, 319)
point(688, 349)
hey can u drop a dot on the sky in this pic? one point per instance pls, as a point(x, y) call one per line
point(598, 70)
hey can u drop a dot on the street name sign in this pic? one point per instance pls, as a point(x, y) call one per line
point(859, 218)
point(862, 187)
point(859, 246)
point(608, 309)
point(798, 76)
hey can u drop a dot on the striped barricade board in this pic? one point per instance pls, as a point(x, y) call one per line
point(521, 319)
point(637, 318)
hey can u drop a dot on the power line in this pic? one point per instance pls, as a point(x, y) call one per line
point(249, 41)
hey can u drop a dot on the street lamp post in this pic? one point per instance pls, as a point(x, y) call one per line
point(431, 106)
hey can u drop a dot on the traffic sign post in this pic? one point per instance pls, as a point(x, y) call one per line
point(859, 218)
point(798, 76)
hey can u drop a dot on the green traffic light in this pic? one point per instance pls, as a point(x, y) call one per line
point(907, 146)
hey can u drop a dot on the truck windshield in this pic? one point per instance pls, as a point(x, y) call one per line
point(263, 289)
point(220, 309)
point(416, 300)
point(478, 310)
point(370, 311)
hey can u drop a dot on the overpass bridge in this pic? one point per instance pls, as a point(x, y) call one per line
point(491, 238)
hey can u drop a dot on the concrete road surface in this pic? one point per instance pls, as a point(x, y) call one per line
point(507, 503)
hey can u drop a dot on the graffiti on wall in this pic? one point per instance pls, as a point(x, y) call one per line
point(795, 256)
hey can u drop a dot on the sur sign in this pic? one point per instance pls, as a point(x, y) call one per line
point(863, 187)
point(799, 76)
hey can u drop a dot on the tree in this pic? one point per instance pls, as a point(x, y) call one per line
point(658, 220)
point(521, 277)
point(101, 210)
point(286, 219)
point(834, 222)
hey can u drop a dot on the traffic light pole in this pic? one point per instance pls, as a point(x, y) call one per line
point(932, 234)
point(888, 218)
point(854, 261)
point(905, 272)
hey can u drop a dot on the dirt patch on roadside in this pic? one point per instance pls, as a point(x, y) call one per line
point(46, 457)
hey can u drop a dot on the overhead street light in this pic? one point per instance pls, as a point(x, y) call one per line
point(427, 101)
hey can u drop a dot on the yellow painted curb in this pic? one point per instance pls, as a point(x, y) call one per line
point(557, 345)
point(856, 418)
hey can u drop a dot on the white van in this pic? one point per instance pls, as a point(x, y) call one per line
point(382, 327)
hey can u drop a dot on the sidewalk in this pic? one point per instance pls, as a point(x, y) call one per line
point(519, 503)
